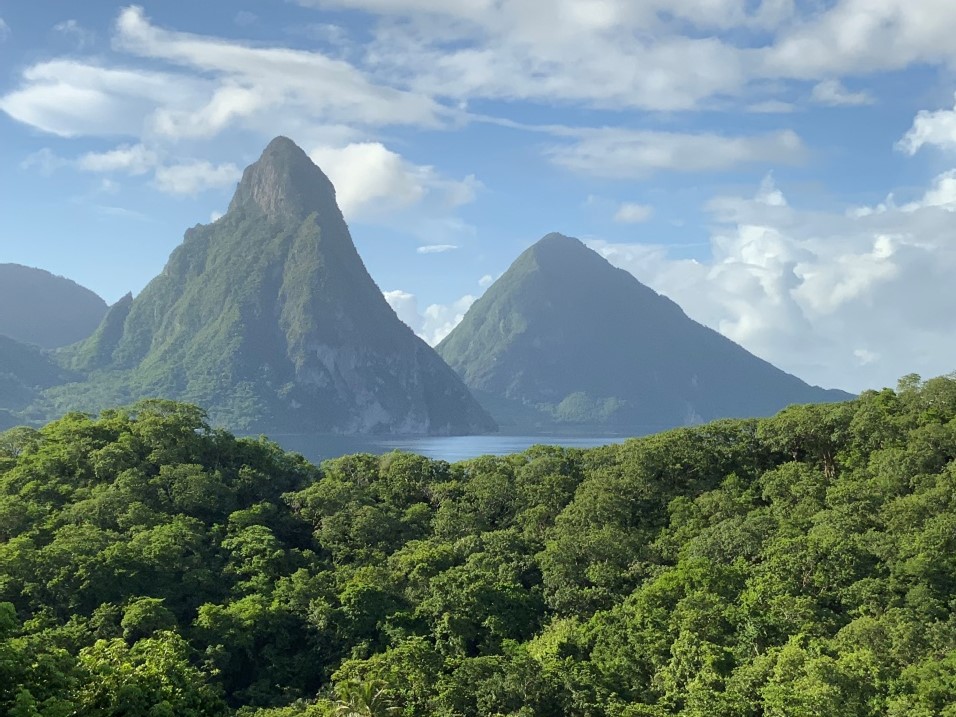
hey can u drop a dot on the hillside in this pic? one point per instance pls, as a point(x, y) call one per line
point(269, 319)
point(799, 565)
point(37, 307)
point(25, 371)
point(563, 340)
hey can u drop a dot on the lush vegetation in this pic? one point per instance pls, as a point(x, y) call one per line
point(799, 565)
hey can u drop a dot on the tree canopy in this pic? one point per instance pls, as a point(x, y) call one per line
point(803, 564)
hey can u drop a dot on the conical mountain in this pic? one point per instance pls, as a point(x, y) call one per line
point(269, 319)
point(564, 339)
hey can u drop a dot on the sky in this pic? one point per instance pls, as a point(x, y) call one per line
point(784, 170)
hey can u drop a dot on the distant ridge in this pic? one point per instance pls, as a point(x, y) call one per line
point(564, 340)
point(40, 308)
point(269, 319)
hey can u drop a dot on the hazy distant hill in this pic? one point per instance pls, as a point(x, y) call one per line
point(43, 309)
point(269, 319)
point(25, 371)
point(564, 339)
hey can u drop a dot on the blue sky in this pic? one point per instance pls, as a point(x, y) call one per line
point(784, 170)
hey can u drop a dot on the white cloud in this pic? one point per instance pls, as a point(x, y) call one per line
point(372, 181)
point(436, 321)
point(196, 176)
point(436, 248)
point(849, 300)
point(834, 94)
point(609, 53)
point(936, 129)
point(864, 37)
point(132, 159)
point(633, 213)
point(626, 154)
point(655, 54)
point(71, 98)
point(486, 281)
point(219, 84)
point(257, 82)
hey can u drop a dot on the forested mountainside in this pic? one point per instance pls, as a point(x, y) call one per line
point(268, 319)
point(565, 341)
point(39, 308)
point(798, 565)
point(25, 371)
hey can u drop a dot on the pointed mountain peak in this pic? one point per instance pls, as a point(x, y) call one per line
point(559, 254)
point(556, 240)
point(284, 182)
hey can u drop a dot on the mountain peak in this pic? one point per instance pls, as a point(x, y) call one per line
point(563, 339)
point(284, 182)
point(557, 239)
point(555, 243)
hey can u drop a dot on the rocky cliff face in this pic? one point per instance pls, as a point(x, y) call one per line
point(269, 319)
point(563, 340)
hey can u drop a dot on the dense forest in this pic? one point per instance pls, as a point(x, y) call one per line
point(798, 565)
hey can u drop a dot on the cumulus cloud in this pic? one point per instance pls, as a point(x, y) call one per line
point(933, 128)
point(196, 176)
point(864, 37)
point(436, 321)
point(834, 94)
point(486, 281)
point(633, 213)
point(371, 181)
point(625, 154)
point(849, 300)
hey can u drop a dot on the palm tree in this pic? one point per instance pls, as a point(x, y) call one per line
point(364, 699)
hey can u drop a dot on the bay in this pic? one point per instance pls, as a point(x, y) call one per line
point(318, 448)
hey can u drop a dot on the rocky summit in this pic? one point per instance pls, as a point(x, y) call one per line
point(565, 341)
point(269, 320)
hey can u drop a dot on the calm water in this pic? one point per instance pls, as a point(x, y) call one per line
point(453, 448)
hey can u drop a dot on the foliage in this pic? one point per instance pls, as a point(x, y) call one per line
point(797, 565)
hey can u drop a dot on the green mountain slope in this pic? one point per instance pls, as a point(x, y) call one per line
point(269, 319)
point(40, 308)
point(564, 339)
